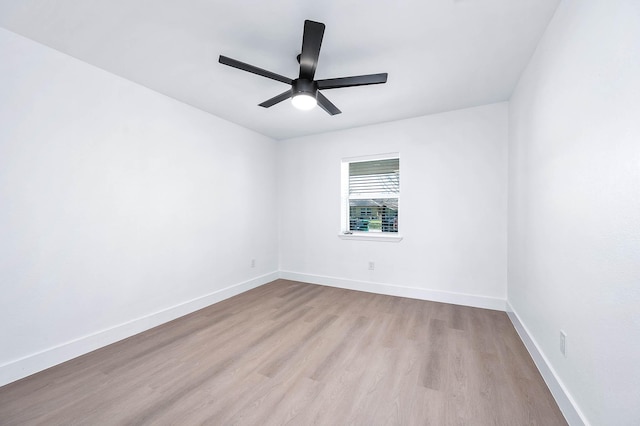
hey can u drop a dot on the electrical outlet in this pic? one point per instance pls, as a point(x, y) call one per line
point(563, 343)
point(372, 266)
point(253, 263)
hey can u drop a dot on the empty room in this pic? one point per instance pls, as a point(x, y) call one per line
point(332, 212)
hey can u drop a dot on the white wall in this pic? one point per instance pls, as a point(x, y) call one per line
point(453, 208)
point(119, 208)
point(574, 212)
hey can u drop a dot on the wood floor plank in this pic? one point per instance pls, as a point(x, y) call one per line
point(295, 353)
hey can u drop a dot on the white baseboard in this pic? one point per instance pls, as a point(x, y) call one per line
point(400, 291)
point(566, 403)
point(39, 361)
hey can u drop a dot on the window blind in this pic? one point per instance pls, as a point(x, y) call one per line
point(380, 178)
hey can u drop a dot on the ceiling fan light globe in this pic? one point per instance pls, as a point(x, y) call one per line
point(304, 101)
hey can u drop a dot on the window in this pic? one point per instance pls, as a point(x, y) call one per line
point(370, 195)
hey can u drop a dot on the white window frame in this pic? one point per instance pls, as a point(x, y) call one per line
point(345, 233)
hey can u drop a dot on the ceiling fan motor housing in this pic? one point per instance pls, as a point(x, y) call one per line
point(304, 86)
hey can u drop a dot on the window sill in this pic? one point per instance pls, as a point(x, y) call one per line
point(366, 236)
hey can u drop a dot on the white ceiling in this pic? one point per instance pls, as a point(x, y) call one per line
point(441, 55)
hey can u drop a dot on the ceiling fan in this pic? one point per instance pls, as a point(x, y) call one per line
point(305, 91)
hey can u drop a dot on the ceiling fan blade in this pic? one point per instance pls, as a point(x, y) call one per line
point(311, 42)
point(358, 80)
point(326, 105)
point(255, 70)
point(276, 99)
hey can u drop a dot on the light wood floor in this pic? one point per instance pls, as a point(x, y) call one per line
point(299, 354)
